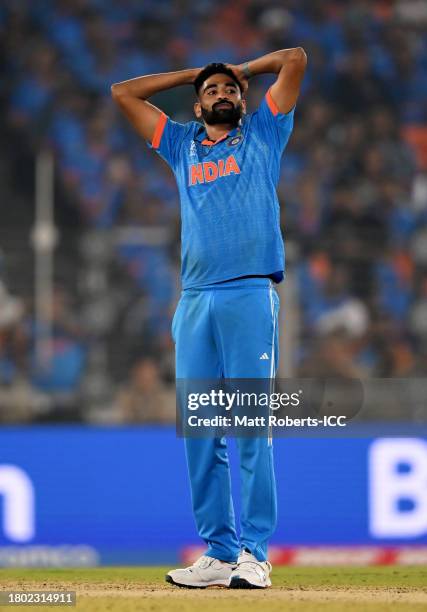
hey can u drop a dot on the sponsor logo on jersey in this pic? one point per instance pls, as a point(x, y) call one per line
point(210, 171)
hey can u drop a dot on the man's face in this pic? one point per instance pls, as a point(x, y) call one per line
point(220, 101)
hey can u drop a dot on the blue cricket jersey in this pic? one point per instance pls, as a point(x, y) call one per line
point(229, 205)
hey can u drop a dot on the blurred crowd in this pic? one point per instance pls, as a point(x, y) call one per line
point(353, 191)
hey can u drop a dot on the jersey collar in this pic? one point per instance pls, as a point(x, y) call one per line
point(202, 137)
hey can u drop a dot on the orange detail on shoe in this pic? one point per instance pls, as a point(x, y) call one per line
point(158, 132)
point(271, 103)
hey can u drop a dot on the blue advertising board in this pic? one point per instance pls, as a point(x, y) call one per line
point(86, 496)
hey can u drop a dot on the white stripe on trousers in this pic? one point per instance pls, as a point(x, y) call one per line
point(272, 362)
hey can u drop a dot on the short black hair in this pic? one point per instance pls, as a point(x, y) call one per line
point(214, 68)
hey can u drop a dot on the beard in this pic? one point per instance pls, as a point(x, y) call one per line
point(231, 115)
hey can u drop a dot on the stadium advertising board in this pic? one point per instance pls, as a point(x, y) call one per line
point(74, 496)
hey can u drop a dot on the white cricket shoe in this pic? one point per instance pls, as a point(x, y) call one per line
point(250, 573)
point(205, 572)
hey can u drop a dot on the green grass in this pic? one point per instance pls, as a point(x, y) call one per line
point(291, 577)
point(302, 589)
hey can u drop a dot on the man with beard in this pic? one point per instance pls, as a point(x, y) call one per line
point(225, 326)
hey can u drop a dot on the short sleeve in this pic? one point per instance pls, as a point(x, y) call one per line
point(167, 139)
point(275, 126)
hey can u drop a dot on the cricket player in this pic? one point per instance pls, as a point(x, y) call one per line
point(227, 167)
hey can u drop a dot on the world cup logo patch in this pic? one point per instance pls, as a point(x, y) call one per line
point(193, 149)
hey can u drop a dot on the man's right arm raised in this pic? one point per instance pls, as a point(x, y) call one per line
point(132, 97)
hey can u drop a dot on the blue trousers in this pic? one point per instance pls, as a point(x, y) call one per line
point(222, 331)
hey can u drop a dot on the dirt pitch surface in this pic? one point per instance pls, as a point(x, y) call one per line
point(311, 589)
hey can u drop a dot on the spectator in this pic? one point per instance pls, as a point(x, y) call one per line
point(57, 364)
point(145, 399)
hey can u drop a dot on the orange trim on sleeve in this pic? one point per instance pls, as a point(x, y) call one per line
point(157, 136)
point(271, 103)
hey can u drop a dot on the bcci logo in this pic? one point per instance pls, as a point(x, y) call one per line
point(234, 141)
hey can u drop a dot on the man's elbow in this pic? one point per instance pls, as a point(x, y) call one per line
point(115, 91)
point(299, 57)
point(119, 94)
